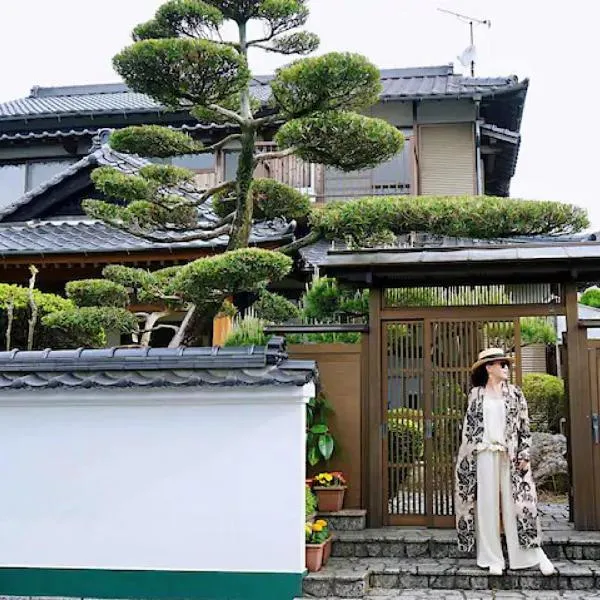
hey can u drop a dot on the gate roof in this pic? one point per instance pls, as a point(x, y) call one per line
point(554, 262)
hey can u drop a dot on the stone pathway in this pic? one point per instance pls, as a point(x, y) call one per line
point(478, 595)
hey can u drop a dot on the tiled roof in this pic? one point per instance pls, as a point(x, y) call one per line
point(72, 235)
point(316, 254)
point(117, 98)
point(81, 236)
point(153, 367)
point(90, 132)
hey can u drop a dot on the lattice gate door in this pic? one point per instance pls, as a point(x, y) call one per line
point(425, 393)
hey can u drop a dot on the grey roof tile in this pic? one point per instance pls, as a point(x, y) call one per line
point(73, 235)
point(419, 82)
point(78, 236)
point(157, 367)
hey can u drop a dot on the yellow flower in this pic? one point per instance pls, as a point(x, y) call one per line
point(317, 527)
point(328, 477)
point(308, 528)
point(321, 522)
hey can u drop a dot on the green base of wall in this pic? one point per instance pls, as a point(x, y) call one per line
point(160, 585)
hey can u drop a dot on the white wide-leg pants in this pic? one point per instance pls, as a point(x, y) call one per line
point(493, 481)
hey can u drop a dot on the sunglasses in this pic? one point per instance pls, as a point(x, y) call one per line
point(503, 363)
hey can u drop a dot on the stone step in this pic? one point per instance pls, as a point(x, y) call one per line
point(412, 594)
point(349, 519)
point(356, 578)
point(401, 542)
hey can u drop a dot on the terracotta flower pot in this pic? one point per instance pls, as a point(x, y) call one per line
point(314, 556)
point(330, 499)
point(327, 549)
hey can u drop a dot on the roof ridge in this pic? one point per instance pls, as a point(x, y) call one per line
point(79, 89)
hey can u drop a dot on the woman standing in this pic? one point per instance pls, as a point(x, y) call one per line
point(493, 462)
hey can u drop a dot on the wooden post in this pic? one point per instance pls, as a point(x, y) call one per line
point(374, 416)
point(580, 427)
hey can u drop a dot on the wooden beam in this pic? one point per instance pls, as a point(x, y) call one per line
point(374, 414)
point(580, 439)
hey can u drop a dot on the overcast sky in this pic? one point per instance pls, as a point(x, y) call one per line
point(63, 42)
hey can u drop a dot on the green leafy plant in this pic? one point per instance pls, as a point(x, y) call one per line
point(247, 331)
point(591, 297)
point(320, 443)
point(317, 532)
point(274, 308)
point(545, 396)
point(472, 217)
point(310, 502)
point(97, 292)
point(537, 330)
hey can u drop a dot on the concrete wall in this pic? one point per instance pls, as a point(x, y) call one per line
point(181, 480)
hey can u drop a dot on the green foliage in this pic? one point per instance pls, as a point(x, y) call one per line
point(310, 502)
point(175, 70)
point(274, 308)
point(271, 200)
point(345, 140)
point(227, 309)
point(87, 326)
point(247, 331)
point(301, 42)
point(591, 297)
point(545, 396)
point(19, 298)
point(180, 18)
point(537, 330)
point(166, 175)
point(97, 292)
point(334, 81)
point(247, 269)
point(478, 216)
point(129, 277)
point(326, 299)
point(116, 184)
point(349, 337)
point(153, 141)
point(320, 443)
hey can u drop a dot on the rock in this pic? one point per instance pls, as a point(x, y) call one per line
point(548, 458)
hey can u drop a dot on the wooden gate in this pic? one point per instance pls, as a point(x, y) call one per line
point(427, 362)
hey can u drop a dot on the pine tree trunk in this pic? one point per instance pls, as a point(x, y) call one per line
point(242, 223)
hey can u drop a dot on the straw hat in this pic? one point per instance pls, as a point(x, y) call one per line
point(490, 355)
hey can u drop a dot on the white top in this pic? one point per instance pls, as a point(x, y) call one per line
point(494, 419)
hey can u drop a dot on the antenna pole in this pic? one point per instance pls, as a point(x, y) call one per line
point(472, 22)
point(472, 44)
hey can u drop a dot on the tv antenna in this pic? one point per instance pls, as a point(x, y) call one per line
point(468, 56)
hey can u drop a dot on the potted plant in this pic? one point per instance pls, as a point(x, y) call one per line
point(317, 538)
point(310, 504)
point(329, 489)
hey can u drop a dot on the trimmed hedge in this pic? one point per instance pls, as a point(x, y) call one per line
point(469, 216)
point(545, 396)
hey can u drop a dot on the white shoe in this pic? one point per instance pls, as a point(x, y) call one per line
point(546, 567)
point(496, 570)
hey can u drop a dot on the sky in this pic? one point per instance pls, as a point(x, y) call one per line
point(64, 42)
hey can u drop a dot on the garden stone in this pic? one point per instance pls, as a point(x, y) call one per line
point(548, 457)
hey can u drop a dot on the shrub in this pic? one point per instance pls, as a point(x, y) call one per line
point(153, 140)
point(97, 292)
point(545, 396)
point(537, 330)
point(247, 331)
point(470, 216)
point(591, 297)
point(274, 308)
point(326, 299)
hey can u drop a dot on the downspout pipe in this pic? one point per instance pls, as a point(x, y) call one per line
point(478, 169)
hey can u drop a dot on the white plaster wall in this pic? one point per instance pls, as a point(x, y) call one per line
point(190, 479)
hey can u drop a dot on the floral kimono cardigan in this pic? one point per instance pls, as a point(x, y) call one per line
point(518, 443)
